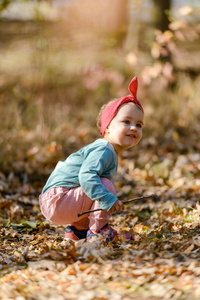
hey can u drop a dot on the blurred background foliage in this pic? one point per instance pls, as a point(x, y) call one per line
point(61, 60)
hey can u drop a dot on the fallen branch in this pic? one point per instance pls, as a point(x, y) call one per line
point(124, 202)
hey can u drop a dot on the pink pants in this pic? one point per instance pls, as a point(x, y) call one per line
point(61, 206)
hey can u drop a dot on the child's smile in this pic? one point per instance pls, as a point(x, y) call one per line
point(125, 129)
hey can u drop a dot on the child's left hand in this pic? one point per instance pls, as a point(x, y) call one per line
point(117, 206)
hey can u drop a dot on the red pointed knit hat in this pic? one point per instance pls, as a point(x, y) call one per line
point(110, 111)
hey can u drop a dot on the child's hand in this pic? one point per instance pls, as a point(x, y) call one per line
point(117, 206)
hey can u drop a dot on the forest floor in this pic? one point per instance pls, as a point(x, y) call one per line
point(162, 261)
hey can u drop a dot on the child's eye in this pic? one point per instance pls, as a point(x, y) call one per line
point(139, 125)
point(127, 122)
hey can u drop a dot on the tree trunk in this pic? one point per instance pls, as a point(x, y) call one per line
point(161, 7)
point(104, 16)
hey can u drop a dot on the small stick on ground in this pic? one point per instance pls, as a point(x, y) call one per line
point(124, 202)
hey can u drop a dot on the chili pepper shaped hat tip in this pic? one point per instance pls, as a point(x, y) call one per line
point(133, 86)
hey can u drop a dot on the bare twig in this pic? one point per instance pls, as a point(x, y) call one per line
point(124, 202)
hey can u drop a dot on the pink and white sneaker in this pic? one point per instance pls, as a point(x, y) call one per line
point(106, 231)
point(73, 234)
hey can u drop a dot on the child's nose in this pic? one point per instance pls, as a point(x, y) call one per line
point(133, 127)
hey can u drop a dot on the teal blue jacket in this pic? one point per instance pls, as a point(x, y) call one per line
point(85, 168)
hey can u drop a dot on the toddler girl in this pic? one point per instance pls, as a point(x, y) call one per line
point(83, 181)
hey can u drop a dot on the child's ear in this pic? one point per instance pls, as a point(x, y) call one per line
point(107, 130)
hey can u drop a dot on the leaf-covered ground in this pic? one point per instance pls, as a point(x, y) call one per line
point(161, 262)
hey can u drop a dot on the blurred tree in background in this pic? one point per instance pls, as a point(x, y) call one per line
point(162, 20)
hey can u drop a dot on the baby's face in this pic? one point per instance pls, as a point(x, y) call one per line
point(125, 129)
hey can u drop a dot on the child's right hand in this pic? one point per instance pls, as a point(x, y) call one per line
point(117, 206)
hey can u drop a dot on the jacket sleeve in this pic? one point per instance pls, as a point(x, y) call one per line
point(97, 163)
